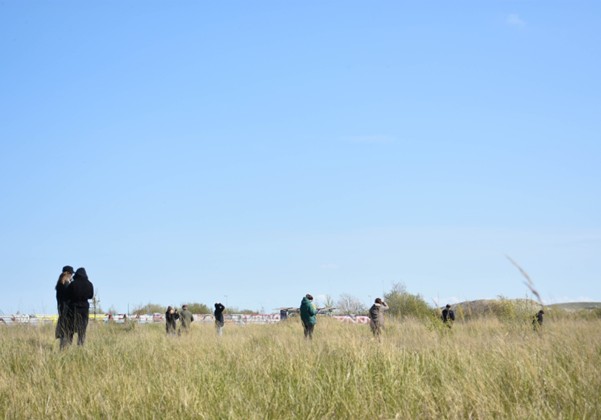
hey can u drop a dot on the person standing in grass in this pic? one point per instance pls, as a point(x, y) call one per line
point(62, 325)
point(171, 316)
point(78, 293)
point(537, 321)
point(376, 317)
point(308, 313)
point(185, 319)
point(448, 316)
point(219, 321)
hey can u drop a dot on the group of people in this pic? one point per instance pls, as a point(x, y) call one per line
point(73, 289)
point(186, 318)
point(308, 314)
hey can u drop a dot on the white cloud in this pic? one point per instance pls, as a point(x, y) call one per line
point(514, 20)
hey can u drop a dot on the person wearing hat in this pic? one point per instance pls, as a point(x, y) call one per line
point(376, 317)
point(308, 313)
point(185, 320)
point(79, 291)
point(62, 327)
point(448, 316)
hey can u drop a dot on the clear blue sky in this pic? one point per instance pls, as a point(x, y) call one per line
point(188, 151)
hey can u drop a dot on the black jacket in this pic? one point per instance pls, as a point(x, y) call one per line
point(61, 295)
point(80, 290)
point(219, 308)
point(448, 315)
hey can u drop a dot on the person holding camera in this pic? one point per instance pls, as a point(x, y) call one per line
point(376, 317)
point(219, 320)
point(170, 317)
point(308, 313)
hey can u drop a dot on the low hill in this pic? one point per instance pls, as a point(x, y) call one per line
point(516, 307)
point(576, 306)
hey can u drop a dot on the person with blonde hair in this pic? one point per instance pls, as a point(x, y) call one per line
point(62, 327)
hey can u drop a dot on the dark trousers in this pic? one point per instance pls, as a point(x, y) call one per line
point(308, 330)
point(78, 323)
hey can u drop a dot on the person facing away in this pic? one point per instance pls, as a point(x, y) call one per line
point(219, 321)
point(448, 316)
point(537, 321)
point(62, 326)
point(376, 316)
point(185, 319)
point(171, 316)
point(308, 313)
point(78, 292)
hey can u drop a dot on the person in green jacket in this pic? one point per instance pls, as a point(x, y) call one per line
point(185, 320)
point(308, 313)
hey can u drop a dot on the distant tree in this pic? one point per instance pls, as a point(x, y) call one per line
point(329, 301)
point(149, 308)
point(350, 305)
point(403, 304)
point(235, 310)
point(96, 309)
point(199, 308)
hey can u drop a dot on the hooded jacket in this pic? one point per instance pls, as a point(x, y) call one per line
point(218, 312)
point(80, 290)
point(308, 312)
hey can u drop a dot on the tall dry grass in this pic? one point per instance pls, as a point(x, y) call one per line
point(481, 369)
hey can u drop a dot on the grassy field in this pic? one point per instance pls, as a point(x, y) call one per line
point(480, 369)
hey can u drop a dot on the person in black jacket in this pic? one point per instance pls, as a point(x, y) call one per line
point(62, 325)
point(448, 316)
point(219, 321)
point(78, 293)
point(170, 317)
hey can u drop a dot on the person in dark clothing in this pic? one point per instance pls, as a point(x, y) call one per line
point(62, 325)
point(78, 293)
point(537, 320)
point(376, 317)
point(219, 321)
point(170, 317)
point(448, 316)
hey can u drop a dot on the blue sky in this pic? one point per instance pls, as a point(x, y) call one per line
point(251, 152)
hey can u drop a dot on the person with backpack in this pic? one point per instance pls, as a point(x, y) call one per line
point(448, 316)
